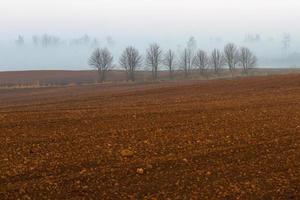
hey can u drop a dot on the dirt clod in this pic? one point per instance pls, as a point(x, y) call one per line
point(127, 153)
point(140, 171)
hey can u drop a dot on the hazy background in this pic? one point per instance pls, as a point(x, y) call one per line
point(75, 27)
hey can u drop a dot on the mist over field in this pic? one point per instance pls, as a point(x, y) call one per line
point(76, 28)
point(72, 54)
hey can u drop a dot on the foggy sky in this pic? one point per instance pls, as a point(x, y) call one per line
point(139, 22)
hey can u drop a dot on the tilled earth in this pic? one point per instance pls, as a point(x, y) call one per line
point(219, 139)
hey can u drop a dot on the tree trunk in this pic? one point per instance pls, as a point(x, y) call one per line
point(100, 76)
point(170, 74)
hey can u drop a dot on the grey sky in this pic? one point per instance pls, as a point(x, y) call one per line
point(140, 16)
point(170, 22)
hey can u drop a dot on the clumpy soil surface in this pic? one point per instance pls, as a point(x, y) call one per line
point(218, 139)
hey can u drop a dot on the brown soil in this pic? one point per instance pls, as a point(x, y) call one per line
point(22, 79)
point(219, 139)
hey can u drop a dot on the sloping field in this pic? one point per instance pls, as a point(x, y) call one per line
point(219, 139)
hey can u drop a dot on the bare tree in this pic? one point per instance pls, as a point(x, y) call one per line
point(110, 42)
point(20, 41)
point(192, 44)
point(252, 38)
point(247, 59)
point(130, 60)
point(286, 42)
point(231, 55)
point(191, 47)
point(154, 58)
point(201, 61)
point(95, 42)
point(84, 40)
point(217, 60)
point(35, 40)
point(101, 59)
point(169, 61)
point(186, 61)
point(47, 40)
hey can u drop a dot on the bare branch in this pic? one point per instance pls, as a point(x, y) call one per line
point(154, 58)
point(169, 61)
point(101, 59)
point(231, 55)
point(247, 59)
point(186, 61)
point(130, 60)
point(201, 61)
point(217, 60)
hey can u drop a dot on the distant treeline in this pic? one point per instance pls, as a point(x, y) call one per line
point(47, 40)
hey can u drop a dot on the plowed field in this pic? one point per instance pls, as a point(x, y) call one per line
point(219, 139)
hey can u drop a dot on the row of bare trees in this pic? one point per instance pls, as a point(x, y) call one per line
point(188, 60)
